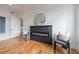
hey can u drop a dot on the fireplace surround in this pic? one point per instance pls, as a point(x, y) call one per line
point(41, 33)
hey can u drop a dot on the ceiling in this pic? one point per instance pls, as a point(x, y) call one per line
point(22, 8)
point(25, 7)
point(18, 7)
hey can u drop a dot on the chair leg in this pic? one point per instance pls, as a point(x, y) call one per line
point(55, 47)
point(68, 48)
point(25, 36)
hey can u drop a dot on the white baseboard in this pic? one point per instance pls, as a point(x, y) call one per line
point(6, 38)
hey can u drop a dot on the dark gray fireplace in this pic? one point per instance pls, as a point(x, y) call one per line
point(41, 33)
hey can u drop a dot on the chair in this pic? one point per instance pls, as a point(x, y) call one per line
point(63, 40)
point(23, 35)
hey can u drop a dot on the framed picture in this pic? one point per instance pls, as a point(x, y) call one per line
point(2, 24)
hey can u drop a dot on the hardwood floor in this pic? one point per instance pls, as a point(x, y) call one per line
point(20, 46)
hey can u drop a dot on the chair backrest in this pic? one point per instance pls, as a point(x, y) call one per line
point(25, 32)
point(67, 36)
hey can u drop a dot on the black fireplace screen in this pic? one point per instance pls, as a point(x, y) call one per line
point(42, 34)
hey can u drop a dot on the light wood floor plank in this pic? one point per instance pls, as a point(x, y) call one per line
point(20, 46)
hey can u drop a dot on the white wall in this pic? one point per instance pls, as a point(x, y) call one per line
point(60, 16)
point(71, 22)
point(14, 23)
point(54, 15)
point(78, 26)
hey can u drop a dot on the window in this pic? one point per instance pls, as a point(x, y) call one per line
point(2, 24)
